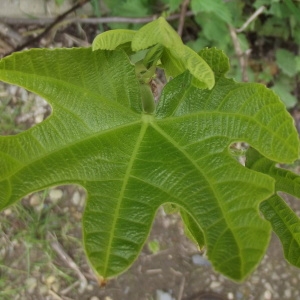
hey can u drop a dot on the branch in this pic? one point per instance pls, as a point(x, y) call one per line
point(239, 53)
point(252, 18)
point(47, 29)
point(84, 20)
point(184, 7)
point(56, 246)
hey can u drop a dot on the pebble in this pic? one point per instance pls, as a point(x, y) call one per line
point(96, 298)
point(199, 260)
point(230, 296)
point(214, 285)
point(288, 294)
point(7, 212)
point(43, 290)
point(39, 118)
point(55, 195)
point(31, 284)
point(50, 280)
point(76, 199)
point(90, 287)
point(35, 200)
point(267, 295)
point(161, 295)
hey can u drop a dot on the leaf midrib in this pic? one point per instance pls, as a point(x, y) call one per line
point(121, 195)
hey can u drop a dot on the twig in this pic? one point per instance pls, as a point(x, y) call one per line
point(181, 289)
point(77, 41)
point(69, 288)
point(54, 295)
point(47, 29)
point(14, 37)
point(183, 11)
point(56, 246)
point(239, 53)
point(43, 21)
point(251, 18)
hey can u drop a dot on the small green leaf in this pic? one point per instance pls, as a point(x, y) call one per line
point(218, 7)
point(282, 90)
point(156, 32)
point(154, 246)
point(173, 5)
point(111, 39)
point(153, 55)
point(178, 60)
point(147, 98)
point(217, 60)
point(286, 62)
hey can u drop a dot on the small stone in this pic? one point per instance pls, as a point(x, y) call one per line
point(39, 208)
point(55, 195)
point(7, 212)
point(90, 287)
point(214, 285)
point(43, 290)
point(31, 284)
point(39, 118)
point(199, 260)
point(50, 280)
point(96, 298)
point(108, 298)
point(267, 295)
point(239, 295)
point(230, 296)
point(161, 295)
point(76, 198)
point(275, 276)
point(288, 294)
point(55, 287)
point(268, 286)
point(35, 200)
point(255, 279)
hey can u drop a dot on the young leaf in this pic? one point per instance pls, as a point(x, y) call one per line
point(285, 223)
point(111, 39)
point(131, 162)
point(218, 7)
point(156, 32)
point(286, 61)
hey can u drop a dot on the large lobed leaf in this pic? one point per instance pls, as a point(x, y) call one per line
point(131, 162)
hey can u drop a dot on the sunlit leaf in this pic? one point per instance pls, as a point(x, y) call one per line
point(131, 161)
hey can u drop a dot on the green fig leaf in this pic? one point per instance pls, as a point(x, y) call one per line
point(131, 160)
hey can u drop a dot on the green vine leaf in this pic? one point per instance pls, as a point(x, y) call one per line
point(285, 223)
point(132, 160)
